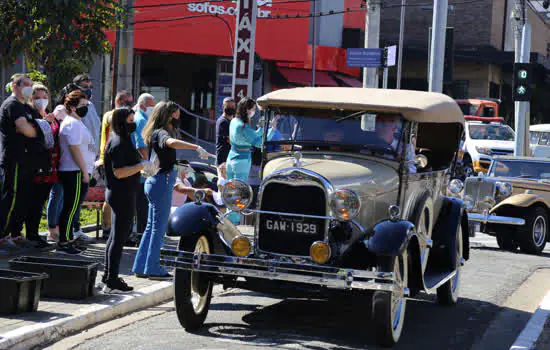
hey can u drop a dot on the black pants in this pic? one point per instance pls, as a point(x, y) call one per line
point(74, 191)
point(122, 218)
point(15, 197)
point(142, 209)
point(40, 194)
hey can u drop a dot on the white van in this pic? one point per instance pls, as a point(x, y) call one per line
point(540, 140)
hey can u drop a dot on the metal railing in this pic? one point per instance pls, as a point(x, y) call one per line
point(196, 138)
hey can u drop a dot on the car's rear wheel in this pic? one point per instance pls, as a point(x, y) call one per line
point(506, 242)
point(533, 235)
point(192, 290)
point(447, 294)
point(389, 307)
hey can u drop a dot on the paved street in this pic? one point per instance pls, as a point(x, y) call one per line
point(243, 320)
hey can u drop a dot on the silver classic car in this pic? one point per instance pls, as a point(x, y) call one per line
point(511, 203)
point(352, 199)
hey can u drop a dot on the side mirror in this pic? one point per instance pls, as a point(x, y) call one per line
point(420, 161)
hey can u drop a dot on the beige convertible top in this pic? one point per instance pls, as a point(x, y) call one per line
point(418, 106)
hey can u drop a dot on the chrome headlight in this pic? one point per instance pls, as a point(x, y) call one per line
point(237, 195)
point(456, 186)
point(483, 150)
point(504, 188)
point(468, 202)
point(487, 203)
point(345, 204)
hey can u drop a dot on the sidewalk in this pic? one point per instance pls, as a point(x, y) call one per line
point(56, 318)
point(536, 334)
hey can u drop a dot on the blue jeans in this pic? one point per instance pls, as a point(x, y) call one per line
point(158, 190)
point(55, 204)
point(238, 168)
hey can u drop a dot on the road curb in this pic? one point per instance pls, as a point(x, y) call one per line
point(45, 333)
point(530, 334)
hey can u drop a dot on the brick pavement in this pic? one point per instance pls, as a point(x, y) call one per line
point(57, 309)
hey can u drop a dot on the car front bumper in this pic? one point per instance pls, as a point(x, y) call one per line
point(275, 269)
point(486, 218)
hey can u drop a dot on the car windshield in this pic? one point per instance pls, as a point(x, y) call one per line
point(491, 132)
point(468, 108)
point(521, 169)
point(331, 130)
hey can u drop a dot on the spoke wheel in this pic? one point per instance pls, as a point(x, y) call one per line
point(389, 307)
point(192, 290)
point(447, 294)
point(534, 234)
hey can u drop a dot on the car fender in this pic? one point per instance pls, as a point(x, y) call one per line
point(452, 215)
point(389, 237)
point(522, 200)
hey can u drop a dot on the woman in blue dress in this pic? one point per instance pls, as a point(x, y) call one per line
point(242, 138)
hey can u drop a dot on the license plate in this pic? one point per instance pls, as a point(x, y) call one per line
point(291, 225)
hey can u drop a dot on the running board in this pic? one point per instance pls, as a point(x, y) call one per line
point(436, 280)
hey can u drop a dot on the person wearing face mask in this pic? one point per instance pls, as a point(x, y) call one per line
point(17, 128)
point(76, 163)
point(122, 166)
point(43, 183)
point(123, 99)
point(222, 134)
point(144, 108)
point(160, 137)
point(91, 120)
point(242, 138)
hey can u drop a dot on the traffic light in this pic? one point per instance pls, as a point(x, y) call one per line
point(522, 81)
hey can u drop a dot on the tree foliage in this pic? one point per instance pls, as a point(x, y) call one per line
point(57, 36)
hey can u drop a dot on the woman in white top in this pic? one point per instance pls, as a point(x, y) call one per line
point(76, 163)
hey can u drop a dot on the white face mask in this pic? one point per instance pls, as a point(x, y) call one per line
point(27, 92)
point(149, 111)
point(41, 104)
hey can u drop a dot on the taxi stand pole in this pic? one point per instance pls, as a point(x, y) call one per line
point(521, 108)
point(372, 35)
point(437, 53)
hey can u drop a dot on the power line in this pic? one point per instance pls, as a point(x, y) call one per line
point(217, 1)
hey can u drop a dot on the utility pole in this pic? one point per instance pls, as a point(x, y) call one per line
point(437, 53)
point(372, 40)
point(401, 38)
point(313, 42)
point(126, 50)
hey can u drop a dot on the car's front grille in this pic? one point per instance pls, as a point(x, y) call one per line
point(289, 235)
point(479, 188)
point(501, 152)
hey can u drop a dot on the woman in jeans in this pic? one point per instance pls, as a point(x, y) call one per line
point(76, 163)
point(122, 166)
point(159, 135)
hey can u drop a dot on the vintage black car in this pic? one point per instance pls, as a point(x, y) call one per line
point(352, 199)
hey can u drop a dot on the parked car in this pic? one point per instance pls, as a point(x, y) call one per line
point(512, 203)
point(341, 208)
point(540, 140)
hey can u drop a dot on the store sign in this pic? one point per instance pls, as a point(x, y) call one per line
point(228, 9)
point(243, 58)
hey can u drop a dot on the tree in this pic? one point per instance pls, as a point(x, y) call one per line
point(59, 37)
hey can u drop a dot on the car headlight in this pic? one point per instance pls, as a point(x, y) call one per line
point(456, 186)
point(504, 188)
point(237, 195)
point(345, 204)
point(487, 203)
point(468, 202)
point(483, 150)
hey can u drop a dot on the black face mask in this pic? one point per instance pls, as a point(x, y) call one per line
point(82, 111)
point(175, 123)
point(88, 93)
point(130, 127)
point(229, 111)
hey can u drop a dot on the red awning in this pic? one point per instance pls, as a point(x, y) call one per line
point(349, 81)
point(303, 77)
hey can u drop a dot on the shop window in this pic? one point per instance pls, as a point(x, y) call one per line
point(460, 89)
point(161, 93)
point(353, 37)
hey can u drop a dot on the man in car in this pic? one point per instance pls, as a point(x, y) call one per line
point(387, 127)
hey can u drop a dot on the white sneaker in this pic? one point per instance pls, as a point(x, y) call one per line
point(81, 235)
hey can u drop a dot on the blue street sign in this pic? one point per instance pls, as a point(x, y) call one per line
point(364, 58)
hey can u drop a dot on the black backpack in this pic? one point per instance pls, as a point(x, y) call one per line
point(37, 153)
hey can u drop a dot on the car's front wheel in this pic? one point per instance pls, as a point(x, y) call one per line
point(389, 307)
point(533, 235)
point(192, 290)
point(447, 294)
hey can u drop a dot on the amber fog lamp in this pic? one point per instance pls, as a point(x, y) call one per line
point(241, 246)
point(319, 252)
point(345, 204)
point(237, 195)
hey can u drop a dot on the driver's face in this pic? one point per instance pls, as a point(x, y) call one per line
point(386, 128)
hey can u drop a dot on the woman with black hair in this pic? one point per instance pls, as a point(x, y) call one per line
point(122, 166)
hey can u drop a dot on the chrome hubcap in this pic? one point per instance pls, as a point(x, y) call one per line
point(198, 295)
point(539, 231)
